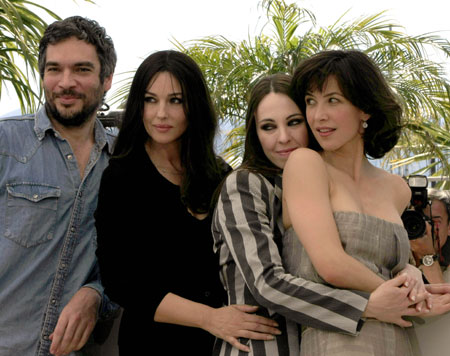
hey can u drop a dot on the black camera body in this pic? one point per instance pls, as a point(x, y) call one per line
point(414, 220)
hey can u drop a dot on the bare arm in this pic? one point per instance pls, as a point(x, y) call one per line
point(245, 231)
point(390, 301)
point(76, 322)
point(228, 323)
point(306, 193)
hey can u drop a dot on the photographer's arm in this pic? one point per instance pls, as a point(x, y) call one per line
point(433, 273)
point(422, 247)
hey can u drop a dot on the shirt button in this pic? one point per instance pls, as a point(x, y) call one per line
point(35, 196)
point(69, 157)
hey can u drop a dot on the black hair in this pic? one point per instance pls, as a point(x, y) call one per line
point(203, 170)
point(83, 29)
point(363, 84)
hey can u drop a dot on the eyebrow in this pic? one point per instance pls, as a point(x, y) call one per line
point(334, 93)
point(77, 64)
point(269, 119)
point(295, 115)
point(266, 119)
point(171, 94)
point(310, 93)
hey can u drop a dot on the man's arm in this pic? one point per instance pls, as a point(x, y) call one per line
point(76, 322)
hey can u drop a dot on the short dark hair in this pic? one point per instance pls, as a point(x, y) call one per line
point(254, 157)
point(203, 170)
point(363, 84)
point(83, 29)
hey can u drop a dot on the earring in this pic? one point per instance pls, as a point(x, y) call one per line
point(365, 124)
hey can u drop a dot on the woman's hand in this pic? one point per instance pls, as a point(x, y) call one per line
point(228, 323)
point(440, 294)
point(418, 294)
point(235, 321)
point(389, 302)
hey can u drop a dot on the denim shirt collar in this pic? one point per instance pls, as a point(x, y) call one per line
point(42, 124)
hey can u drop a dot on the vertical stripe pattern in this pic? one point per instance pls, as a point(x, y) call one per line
point(248, 234)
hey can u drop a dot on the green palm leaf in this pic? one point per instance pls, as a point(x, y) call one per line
point(290, 34)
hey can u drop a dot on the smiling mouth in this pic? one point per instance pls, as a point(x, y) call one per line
point(69, 94)
point(68, 97)
point(325, 131)
point(162, 128)
point(67, 100)
point(287, 151)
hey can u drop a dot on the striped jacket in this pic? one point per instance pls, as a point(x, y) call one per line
point(248, 232)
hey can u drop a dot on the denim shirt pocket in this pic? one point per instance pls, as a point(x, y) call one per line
point(31, 213)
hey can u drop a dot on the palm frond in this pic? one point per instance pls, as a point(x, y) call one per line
point(290, 34)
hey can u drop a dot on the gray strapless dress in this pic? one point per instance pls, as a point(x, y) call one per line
point(383, 247)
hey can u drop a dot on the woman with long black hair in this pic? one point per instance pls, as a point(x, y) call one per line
point(153, 218)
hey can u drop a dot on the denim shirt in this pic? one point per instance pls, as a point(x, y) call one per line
point(47, 231)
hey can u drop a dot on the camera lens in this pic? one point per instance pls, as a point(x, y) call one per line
point(414, 223)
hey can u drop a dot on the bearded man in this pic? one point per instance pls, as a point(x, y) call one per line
point(50, 169)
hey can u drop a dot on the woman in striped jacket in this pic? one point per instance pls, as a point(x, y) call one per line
point(248, 235)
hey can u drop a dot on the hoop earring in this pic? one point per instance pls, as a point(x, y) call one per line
point(365, 124)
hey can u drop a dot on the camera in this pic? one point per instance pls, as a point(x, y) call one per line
point(414, 220)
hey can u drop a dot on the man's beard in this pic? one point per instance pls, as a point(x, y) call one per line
point(77, 118)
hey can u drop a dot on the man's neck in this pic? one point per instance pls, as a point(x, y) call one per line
point(80, 138)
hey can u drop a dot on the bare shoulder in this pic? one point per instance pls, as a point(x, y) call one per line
point(398, 188)
point(303, 157)
point(305, 169)
point(304, 153)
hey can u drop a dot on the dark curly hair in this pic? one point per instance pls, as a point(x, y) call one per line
point(363, 84)
point(83, 29)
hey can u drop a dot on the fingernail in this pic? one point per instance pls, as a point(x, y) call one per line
point(413, 298)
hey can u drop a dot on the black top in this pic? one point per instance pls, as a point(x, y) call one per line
point(149, 245)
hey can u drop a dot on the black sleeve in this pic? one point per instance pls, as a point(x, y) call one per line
point(126, 261)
